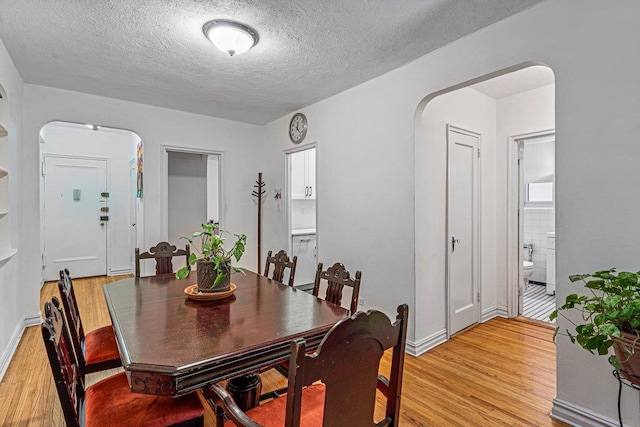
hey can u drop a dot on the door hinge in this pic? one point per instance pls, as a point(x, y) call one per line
point(43, 169)
point(478, 296)
point(478, 153)
point(44, 260)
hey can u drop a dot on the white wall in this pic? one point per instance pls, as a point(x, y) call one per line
point(366, 139)
point(117, 146)
point(15, 312)
point(472, 111)
point(157, 127)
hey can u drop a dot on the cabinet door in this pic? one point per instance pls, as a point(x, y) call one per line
point(298, 175)
point(304, 247)
point(311, 172)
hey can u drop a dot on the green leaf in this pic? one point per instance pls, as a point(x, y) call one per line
point(552, 316)
point(594, 284)
point(219, 279)
point(576, 277)
point(193, 258)
point(182, 273)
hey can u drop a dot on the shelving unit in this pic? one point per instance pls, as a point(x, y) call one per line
point(5, 238)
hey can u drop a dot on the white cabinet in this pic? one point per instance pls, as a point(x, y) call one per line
point(551, 263)
point(304, 247)
point(303, 174)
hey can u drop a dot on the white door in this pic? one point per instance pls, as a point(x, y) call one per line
point(521, 288)
point(74, 235)
point(462, 229)
point(299, 189)
point(304, 247)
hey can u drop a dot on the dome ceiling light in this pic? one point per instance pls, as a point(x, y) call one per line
point(231, 37)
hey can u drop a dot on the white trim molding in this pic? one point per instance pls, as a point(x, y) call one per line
point(120, 271)
point(578, 416)
point(495, 311)
point(5, 360)
point(427, 343)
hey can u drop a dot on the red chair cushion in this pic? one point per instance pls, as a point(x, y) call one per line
point(273, 412)
point(111, 403)
point(100, 346)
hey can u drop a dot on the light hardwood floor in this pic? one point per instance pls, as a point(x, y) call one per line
point(500, 373)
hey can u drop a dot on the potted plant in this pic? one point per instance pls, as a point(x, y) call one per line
point(213, 261)
point(611, 318)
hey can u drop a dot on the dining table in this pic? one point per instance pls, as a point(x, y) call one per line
point(171, 345)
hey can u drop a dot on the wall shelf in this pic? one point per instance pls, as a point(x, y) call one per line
point(6, 253)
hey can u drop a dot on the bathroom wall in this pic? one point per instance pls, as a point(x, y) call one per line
point(537, 223)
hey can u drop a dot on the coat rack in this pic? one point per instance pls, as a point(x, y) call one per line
point(258, 192)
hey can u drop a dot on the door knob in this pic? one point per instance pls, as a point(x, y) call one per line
point(453, 243)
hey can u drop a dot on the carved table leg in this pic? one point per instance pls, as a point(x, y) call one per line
point(245, 390)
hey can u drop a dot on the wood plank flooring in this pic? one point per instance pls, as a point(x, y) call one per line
point(500, 373)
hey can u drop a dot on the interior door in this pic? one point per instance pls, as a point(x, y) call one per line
point(75, 237)
point(133, 236)
point(463, 236)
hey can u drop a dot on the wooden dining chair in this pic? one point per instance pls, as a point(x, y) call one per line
point(336, 385)
point(337, 278)
point(163, 253)
point(97, 350)
point(280, 262)
point(109, 402)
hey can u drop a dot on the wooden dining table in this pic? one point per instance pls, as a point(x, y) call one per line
point(171, 345)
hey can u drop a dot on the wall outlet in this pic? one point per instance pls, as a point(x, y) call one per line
point(360, 301)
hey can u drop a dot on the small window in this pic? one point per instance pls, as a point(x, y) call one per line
point(539, 194)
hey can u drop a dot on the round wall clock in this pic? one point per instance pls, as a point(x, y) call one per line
point(298, 128)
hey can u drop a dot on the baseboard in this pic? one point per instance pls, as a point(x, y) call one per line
point(426, 344)
point(495, 311)
point(5, 360)
point(120, 271)
point(578, 416)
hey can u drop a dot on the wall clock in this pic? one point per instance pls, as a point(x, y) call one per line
point(298, 128)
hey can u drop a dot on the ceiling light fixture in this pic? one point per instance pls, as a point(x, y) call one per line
point(231, 37)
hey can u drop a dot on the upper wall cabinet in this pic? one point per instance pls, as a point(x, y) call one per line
point(303, 174)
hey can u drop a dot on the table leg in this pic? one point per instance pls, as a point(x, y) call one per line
point(245, 390)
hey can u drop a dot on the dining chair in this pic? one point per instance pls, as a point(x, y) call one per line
point(109, 402)
point(163, 253)
point(337, 278)
point(97, 350)
point(335, 385)
point(280, 262)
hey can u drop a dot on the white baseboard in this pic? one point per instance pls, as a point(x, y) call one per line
point(495, 311)
point(120, 271)
point(5, 360)
point(578, 416)
point(427, 343)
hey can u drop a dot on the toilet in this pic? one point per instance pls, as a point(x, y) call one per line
point(527, 269)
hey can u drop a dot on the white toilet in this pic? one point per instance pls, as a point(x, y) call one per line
point(527, 269)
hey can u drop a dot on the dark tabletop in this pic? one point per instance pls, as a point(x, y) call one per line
point(171, 345)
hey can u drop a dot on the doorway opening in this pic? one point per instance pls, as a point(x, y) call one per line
point(535, 178)
point(496, 107)
point(192, 193)
point(301, 212)
point(86, 191)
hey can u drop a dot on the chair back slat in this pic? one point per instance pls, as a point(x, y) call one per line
point(74, 322)
point(281, 263)
point(163, 253)
point(337, 277)
point(347, 362)
point(64, 366)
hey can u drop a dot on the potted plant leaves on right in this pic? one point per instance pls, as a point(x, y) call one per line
point(610, 315)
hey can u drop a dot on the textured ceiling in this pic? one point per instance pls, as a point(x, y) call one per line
point(154, 52)
point(516, 82)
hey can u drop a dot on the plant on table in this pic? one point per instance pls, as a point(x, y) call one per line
point(212, 259)
point(611, 317)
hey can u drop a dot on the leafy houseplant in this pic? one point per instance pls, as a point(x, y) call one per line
point(611, 315)
point(212, 259)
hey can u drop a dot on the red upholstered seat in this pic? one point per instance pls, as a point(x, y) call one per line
point(100, 347)
point(111, 403)
point(273, 412)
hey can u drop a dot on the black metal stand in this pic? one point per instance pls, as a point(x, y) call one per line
point(622, 380)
